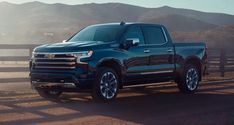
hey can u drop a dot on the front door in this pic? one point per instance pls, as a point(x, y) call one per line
point(138, 60)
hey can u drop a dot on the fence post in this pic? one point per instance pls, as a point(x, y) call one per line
point(222, 62)
point(30, 52)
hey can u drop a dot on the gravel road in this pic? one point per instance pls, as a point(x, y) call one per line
point(157, 105)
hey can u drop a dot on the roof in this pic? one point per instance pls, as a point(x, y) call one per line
point(128, 24)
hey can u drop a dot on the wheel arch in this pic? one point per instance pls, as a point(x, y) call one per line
point(195, 61)
point(113, 64)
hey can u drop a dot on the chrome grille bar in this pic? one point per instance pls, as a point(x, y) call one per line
point(50, 67)
point(57, 63)
point(56, 58)
point(54, 61)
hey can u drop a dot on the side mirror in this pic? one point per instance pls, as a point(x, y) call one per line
point(130, 42)
point(64, 41)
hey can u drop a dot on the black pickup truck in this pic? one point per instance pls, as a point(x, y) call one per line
point(101, 59)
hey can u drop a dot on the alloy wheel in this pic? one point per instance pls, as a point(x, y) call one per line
point(192, 79)
point(108, 85)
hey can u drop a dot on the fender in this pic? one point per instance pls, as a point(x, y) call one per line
point(193, 59)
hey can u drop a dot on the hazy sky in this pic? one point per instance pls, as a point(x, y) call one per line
point(220, 6)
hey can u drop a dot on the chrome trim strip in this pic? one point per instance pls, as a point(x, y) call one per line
point(157, 72)
point(165, 35)
point(148, 73)
point(56, 63)
point(50, 67)
point(38, 84)
point(59, 53)
point(55, 58)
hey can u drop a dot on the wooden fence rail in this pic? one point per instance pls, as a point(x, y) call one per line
point(219, 60)
point(9, 69)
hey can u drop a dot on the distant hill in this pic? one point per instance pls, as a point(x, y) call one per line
point(182, 23)
point(37, 22)
point(213, 18)
point(217, 37)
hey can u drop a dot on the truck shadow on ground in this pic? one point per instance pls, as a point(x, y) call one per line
point(213, 104)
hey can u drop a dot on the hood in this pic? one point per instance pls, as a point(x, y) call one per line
point(71, 46)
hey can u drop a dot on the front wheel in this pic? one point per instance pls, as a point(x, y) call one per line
point(106, 85)
point(189, 80)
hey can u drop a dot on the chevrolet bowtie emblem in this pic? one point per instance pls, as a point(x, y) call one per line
point(49, 56)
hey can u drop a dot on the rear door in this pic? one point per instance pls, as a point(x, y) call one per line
point(160, 50)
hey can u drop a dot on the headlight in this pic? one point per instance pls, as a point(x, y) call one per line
point(84, 54)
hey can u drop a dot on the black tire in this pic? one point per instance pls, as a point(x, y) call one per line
point(48, 94)
point(106, 85)
point(189, 80)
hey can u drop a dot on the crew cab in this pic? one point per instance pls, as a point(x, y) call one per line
point(103, 58)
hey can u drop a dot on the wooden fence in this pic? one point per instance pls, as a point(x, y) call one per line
point(220, 60)
point(25, 58)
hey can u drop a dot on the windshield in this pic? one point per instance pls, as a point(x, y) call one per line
point(107, 33)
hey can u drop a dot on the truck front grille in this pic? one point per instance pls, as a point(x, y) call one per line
point(54, 61)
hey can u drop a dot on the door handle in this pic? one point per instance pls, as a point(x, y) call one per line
point(170, 50)
point(146, 51)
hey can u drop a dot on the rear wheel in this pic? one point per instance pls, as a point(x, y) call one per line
point(50, 94)
point(106, 85)
point(189, 80)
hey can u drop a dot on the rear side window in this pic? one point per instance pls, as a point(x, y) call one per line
point(135, 32)
point(154, 35)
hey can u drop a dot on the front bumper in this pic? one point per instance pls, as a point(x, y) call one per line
point(61, 81)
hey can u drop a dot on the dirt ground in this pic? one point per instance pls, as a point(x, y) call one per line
point(157, 105)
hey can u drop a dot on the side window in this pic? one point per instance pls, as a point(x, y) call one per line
point(154, 35)
point(135, 32)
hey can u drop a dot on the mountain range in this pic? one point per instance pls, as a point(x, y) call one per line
point(37, 22)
